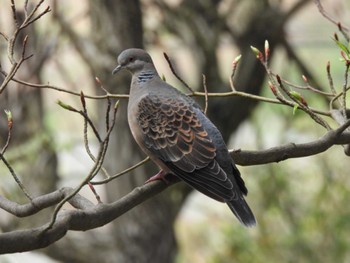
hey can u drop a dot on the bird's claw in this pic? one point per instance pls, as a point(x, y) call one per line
point(159, 176)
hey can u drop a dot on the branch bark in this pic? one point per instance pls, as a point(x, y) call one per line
point(88, 216)
point(292, 150)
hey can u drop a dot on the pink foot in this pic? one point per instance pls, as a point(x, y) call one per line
point(159, 176)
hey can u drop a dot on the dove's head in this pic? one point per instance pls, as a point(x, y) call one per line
point(134, 60)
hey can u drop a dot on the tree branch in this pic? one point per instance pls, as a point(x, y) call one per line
point(292, 150)
point(326, 15)
point(89, 217)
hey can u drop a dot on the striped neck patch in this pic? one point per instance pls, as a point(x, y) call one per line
point(144, 76)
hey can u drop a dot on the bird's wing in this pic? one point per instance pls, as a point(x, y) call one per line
point(172, 132)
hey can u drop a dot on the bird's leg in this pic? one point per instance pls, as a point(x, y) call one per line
point(159, 176)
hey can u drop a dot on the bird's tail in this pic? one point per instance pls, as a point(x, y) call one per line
point(242, 211)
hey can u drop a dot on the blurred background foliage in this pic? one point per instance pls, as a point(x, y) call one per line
point(301, 205)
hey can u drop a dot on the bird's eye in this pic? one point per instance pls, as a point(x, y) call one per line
point(131, 59)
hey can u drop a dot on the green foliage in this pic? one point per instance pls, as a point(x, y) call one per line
point(344, 47)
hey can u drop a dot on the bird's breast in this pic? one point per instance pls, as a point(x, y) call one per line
point(133, 112)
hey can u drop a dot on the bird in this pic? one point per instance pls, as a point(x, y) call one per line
point(172, 129)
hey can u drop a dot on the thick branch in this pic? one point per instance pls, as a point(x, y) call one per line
point(78, 220)
point(292, 150)
point(89, 216)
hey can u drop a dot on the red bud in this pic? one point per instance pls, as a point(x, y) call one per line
point(273, 88)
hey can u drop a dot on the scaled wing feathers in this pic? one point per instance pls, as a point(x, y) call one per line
point(172, 132)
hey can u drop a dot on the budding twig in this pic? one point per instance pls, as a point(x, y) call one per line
point(345, 86)
point(9, 129)
point(12, 39)
point(234, 68)
point(303, 105)
point(94, 170)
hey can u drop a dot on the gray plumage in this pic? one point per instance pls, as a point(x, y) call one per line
point(171, 128)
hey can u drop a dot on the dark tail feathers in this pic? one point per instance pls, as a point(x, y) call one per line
point(242, 211)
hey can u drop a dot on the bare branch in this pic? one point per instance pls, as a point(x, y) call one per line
point(122, 172)
point(303, 106)
point(326, 15)
point(345, 86)
point(13, 39)
point(234, 68)
point(175, 73)
point(9, 129)
point(41, 202)
point(292, 150)
point(97, 196)
point(307, 87)
point(48, 86)
point(89, 217)
point(330, 79)
point(94, 170)
point(195, 93)
point(15, 177)
point(205, 94)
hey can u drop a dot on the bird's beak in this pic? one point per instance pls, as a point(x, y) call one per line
point(118, 68)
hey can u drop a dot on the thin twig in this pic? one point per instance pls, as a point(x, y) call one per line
point(327, 16)
point(304, 107)
point(122, 172)
point(205, 94)
point(330, 78)
point(11, 41)
point(340, 94)
point(234, 68)
point(109, 104)
point(9, 129)
point(331, 86)
point(343, 32)
point(299, 102)
point(256, 97)
point(4, 36)
point(76, 190)
point(194, 93)
point(345, 84)
point(10, 76)
point(92, 188)
point(29, 18)
point(14, 13)
point(307, 87)
point(91, 124)
point(279, 95)
point(26, 8)
point(175, 74)
point(15, 177)
point(47, 86)
point(87, 120)
point(95, 169)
